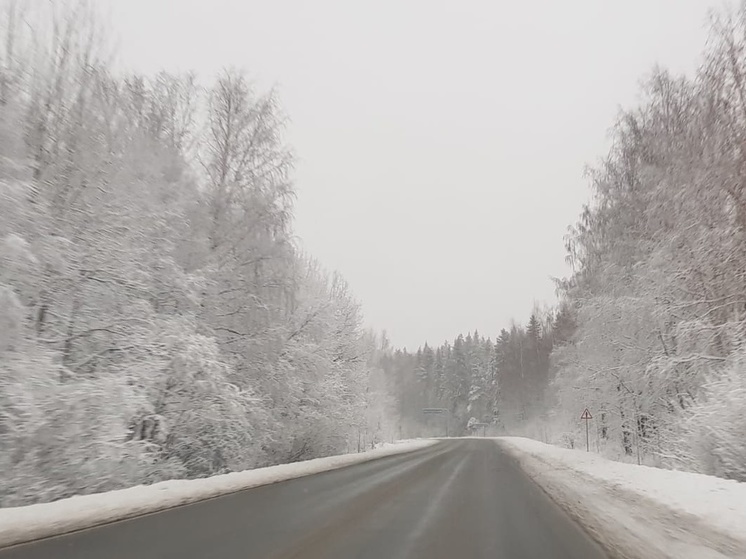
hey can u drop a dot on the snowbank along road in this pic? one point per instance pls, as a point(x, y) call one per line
point(30, 523)
point(456, 499)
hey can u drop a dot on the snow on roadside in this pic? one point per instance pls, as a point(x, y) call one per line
point(32, 522)
point(639, 511)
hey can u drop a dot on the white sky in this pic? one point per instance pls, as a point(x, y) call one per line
point(441, 144)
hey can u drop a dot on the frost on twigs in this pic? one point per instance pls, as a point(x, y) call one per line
point(658, 280)
point(156, 318)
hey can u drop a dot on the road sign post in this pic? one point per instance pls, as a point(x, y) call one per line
point(587, 417)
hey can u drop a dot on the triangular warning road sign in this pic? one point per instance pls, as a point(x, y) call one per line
point(586, 414)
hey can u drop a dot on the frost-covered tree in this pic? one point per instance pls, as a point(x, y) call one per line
point(658, 283)
point(156, 319)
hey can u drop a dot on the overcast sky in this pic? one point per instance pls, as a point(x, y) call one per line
point(441, 144)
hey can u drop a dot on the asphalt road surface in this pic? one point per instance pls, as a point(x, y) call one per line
point(459, 499)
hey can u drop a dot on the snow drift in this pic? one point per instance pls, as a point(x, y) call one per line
point(639, 511)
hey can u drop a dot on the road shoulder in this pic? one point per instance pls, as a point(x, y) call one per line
point(29, 523)
point(623, 519)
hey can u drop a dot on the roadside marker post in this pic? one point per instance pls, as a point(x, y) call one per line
point(587, 417)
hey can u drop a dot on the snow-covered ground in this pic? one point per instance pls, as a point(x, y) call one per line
point(639, 511)
point(23, 524)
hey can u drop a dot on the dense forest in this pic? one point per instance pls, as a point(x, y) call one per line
point(651, 324)
point(498, 384)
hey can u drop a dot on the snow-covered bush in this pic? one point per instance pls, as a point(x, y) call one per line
point(60, 435)
point(714, 432)
point(208, 423)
